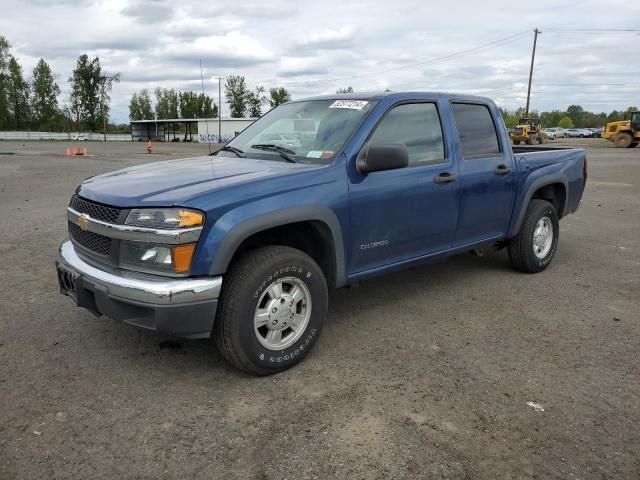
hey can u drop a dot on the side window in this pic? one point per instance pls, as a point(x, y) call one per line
point(478, 135)
point(417, 126)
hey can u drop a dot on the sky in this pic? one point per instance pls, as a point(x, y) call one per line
point(316, 47)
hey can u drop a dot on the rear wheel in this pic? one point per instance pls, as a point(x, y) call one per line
point(531, 140)
point(272, 307)
point(533, 248)
point(623, 140)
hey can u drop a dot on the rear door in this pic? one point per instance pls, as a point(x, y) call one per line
point(486, 173)
point(400, 214)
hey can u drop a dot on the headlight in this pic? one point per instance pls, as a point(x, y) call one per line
point(161, 258)
point(156, 258)
point(170, 218)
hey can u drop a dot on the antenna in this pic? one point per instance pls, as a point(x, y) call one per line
point(206, 121)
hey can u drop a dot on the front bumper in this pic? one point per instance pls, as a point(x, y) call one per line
point(182, 307)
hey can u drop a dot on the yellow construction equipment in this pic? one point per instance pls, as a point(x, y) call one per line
point(528, 131)
point(624, 133)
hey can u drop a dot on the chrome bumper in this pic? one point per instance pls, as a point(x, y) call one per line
point(139, 288)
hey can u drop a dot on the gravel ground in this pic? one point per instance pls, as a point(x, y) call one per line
point(425, 373)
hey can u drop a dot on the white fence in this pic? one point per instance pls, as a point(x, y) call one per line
point(94, 137)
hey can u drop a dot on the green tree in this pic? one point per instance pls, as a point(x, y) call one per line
point(255, 100)
point(197, 105)
point(512, 119)
point(565, 122)
point(140, 107)
point(278, 96)
point(345, 90)
point(167, 103)
point(188, 104)
point(44, 96)
point(205, 107)
point(106, 83)
point(89, 100)
point(17, 94)
point(551, 119)
point(577, 115)
point(236, 93)
point(4, 73)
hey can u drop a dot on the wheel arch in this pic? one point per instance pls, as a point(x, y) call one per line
point(314, 229)
point(553, 189)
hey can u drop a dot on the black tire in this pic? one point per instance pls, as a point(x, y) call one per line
point(242, 289)
point(634, 145)
point(516, 142)
point(623, 140)
point(521, 247)
point(531, 140)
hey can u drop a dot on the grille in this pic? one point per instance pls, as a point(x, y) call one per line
point(89, 240)
point(95, 210)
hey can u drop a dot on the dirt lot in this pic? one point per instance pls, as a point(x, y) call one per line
point(424, 373)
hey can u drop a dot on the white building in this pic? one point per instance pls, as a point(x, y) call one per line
point(191, 130)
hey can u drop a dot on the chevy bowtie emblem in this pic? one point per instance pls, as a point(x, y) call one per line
point(83, 222)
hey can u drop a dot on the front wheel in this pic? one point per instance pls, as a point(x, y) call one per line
point(533, 248)
point(272, 307)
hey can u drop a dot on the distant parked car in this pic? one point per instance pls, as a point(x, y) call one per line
point(80, 137)
point(595, 132)
point(554, 132)
point(577, 132)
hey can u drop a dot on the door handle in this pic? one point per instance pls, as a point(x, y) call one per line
point(502, 170)
point(445, 178)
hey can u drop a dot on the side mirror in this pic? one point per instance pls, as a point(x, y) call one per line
point(382, 156)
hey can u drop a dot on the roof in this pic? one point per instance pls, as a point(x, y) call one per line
point(166, 120)
point(194, 120)
point(395, 95)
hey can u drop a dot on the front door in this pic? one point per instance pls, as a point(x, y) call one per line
point(397, 215)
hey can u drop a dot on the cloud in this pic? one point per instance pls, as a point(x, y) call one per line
point(317, 47)
point(326, 39)
point(148, 11)
point(233, 49)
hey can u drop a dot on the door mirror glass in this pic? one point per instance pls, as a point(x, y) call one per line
point(382, 156)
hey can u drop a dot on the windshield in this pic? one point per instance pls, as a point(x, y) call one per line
point(311, 131)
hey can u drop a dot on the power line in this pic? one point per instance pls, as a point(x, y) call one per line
point(492, 44)
point(594, 31)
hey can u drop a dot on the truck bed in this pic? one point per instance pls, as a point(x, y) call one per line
point(536, 148)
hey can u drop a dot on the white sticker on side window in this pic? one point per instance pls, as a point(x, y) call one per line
point(352, 104)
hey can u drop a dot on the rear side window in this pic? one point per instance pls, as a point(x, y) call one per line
point(417, 126)
point(478, 135)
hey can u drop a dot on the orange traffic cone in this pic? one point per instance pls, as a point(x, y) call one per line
point(85, 152)
point(68, 152)
point(75, 150)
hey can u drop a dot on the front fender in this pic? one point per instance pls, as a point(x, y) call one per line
point(237, 225)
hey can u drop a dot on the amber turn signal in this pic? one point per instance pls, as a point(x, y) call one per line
point(182, 255)
point(189, 218)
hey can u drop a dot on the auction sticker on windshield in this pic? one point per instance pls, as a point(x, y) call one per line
point(352, 104)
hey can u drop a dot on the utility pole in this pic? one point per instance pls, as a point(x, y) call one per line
point(219, 109)
point(533, 56)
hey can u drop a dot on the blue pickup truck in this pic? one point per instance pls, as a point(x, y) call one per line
point(318, 193)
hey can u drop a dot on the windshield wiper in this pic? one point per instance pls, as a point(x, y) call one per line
point(229, 148)
point(276, 148)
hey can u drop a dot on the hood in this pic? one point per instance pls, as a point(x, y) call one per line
point(174, 182)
